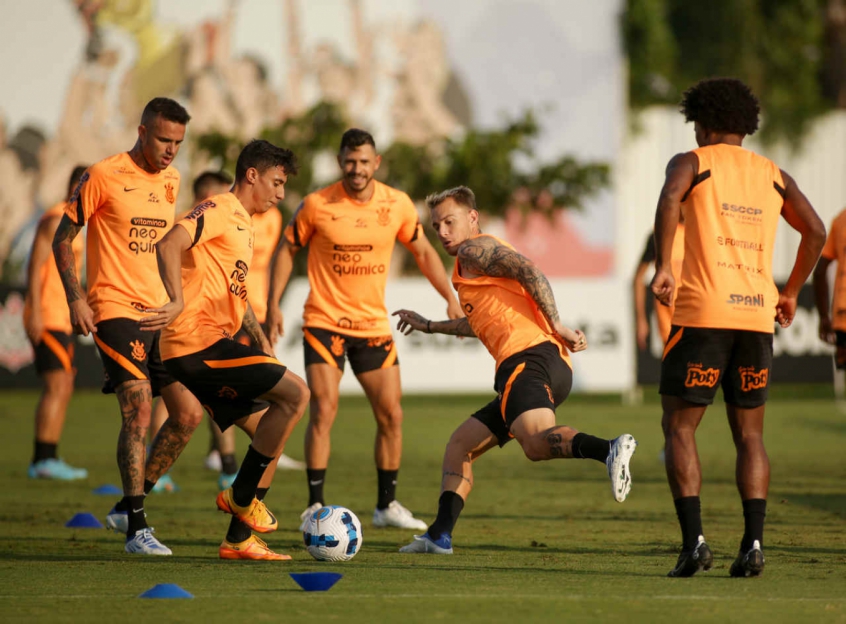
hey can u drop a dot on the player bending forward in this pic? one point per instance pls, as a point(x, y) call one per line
point(511, 309)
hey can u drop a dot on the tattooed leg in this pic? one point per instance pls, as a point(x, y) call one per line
point(540, 437)
point(184, 415)
point(136, 401)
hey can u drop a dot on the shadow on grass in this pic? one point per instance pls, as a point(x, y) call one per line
point(834, 503)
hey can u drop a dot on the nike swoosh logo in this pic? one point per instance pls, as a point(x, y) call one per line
point(240, 228)
point(315, 482)
point(264, 465)
point(127, 189)
point(335, 218)
point(137, 510)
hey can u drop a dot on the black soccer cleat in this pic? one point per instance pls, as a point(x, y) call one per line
point(750, 563)
point(700, 559)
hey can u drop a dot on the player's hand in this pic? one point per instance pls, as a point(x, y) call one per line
point(275, 324)
point(34, 326)
point(575, 339)
point(785, 309)
point(827, 331)
point(82, 317)
point(454, 310)
point(663, 285)
point(409, 321)
point(642, 334)
point(161, 317)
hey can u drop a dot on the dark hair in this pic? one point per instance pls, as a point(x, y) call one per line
point(460, 195)
point(355, 138)
point(722, 105)
point(171, 110)
point(208, 178)
point(75, 176)
point(262, 155)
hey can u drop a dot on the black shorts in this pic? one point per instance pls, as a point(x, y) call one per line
point(227, 378)
point(130, 354)
point(697, 360)
point(54, 352)
point(840, 350)
point(531, 379)
point(323, 346)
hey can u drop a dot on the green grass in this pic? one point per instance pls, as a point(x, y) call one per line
point(537, 542)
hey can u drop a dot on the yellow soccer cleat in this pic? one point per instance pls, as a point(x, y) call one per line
point(256, 515)
point(254, 549)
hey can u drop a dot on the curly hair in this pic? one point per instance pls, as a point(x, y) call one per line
point(722, 105)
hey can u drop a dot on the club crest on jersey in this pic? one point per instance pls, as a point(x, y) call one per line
point(169, 196)
point(139, 353)
point(383, 216)
point(337, 346)
point(227, 393)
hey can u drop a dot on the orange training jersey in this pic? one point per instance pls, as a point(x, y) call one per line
point(731, 214)
point(664, 313)
point(835, 249)
point(268, 228)
point(503, 315)
point(214, 275)
point(54, 305)
point(350, 247)
point(127, 210)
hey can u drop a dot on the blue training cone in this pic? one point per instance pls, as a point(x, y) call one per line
point(107, 490)
point(166, 590)
point(84, 520)
point(316, 581)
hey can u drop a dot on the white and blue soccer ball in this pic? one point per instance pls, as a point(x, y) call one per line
point(333, 533)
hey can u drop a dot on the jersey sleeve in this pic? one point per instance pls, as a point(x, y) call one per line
point(206, 221)
point(410, 227)
point(301, 227)
point(87, 197)
point(648, 256)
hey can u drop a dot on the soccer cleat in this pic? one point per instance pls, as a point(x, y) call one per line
point(144, 543)
point(56, 469)
point(306, 515)
point(225, 481)
point(700, 559)
point(213, 462)
point(617, 462)
point(256, 515)
point(750, 563)
point(396, 515)
point(425, 544)
point(165, 484)
point(118, 520)
point(253, 548)
point(289, 463)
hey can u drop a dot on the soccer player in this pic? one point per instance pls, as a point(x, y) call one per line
point(833, 331)
point(204, 263)
point(722, 333)
point(351, 228)
point(511, 309)
point(128, 202)
point(48, 326)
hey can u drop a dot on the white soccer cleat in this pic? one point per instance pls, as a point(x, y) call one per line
point(396, 515)
point(425, 544)
point(306, 515)
point(145, 544)
point(117, 521)
point(617, 462)
point(289, 463)
point(213, 461)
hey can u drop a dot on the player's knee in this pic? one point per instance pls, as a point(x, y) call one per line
point(300, 398)
point(323, 409)
point(535, 452)
point(389, 419)
point(191, 416)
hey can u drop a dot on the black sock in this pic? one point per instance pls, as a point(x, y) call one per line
point(228, 464)
point(251, 472)
point(689, 512)
point(261, 493)
point(148, 486)
point(122, 505)
point(449, 508)
point(135, 514)
point(387, 487)
point(590, 447)
point(43, 451)
point(316, 479)
point(238, 531)
point(754, 512)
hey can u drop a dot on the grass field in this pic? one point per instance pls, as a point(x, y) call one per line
point(537, 542)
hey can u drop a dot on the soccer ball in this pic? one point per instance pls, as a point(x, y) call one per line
point(333, 533)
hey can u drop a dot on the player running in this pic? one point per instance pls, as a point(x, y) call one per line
point(351, 228)
point(722, 333)
point(204, 263)
point(128, 202)
point(832, 326)
point(511, 309)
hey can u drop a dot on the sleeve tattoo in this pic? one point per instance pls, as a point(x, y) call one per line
point(486, 256)
point(65, 262)
point(253, 327)
point(454, 327)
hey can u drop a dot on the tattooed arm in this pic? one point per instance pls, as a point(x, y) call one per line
point(255, 332)
point(82, 317)
point(409, 321)
point(483, 255)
